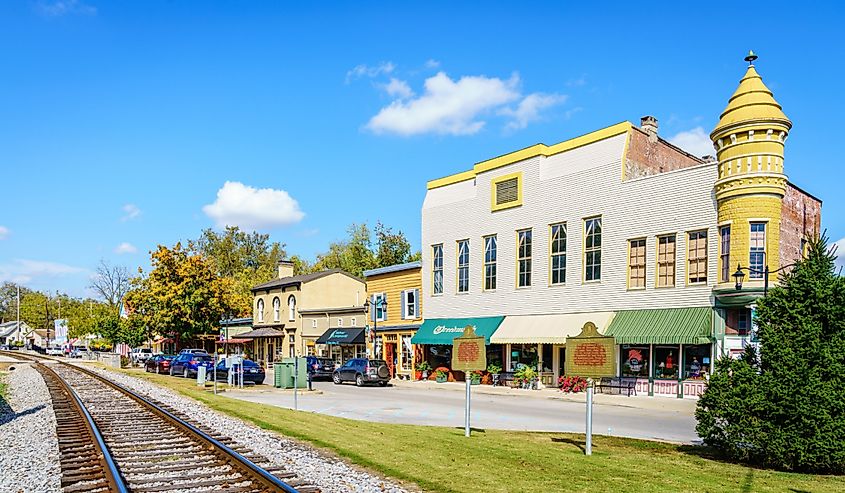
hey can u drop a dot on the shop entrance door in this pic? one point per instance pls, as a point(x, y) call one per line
point(561, 361)
point(390, 357)
point(270, 354)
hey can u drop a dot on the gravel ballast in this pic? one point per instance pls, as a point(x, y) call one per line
point(330, 474)
point(30, 451)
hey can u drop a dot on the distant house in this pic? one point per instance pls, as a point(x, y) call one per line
point(14, 331)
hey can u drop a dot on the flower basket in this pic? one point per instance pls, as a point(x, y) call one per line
point(475, 378)
point(572, 384)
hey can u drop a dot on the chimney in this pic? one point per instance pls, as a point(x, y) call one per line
point(648, 124)
point(285, 269)
point(708, 158)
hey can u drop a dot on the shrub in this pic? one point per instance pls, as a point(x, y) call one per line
point(786, 410)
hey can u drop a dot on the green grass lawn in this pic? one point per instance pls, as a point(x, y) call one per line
point(443, 460)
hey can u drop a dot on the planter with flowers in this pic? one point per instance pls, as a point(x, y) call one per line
point(441, 376)
point(421, 370)
point(475, 377)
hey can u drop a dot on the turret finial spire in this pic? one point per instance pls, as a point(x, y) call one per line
point(751, 57)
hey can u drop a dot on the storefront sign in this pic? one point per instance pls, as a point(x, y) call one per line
point(469, 351)
point(441, 329)
point(592, 354)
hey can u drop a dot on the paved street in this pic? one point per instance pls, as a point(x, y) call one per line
point(638, 417)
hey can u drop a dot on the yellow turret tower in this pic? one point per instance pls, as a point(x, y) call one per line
point(749, 141)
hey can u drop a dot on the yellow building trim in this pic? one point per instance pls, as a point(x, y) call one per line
point(507, 205)
point(533, 151)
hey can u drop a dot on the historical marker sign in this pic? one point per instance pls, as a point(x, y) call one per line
point(590, 354)
point(469, 353)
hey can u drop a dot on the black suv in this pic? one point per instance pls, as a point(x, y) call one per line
point(361, 371)
point(320, 367)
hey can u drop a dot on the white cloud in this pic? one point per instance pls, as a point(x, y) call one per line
point(65, 7)
point(580, 81)
point(432, 63)
point(398, 89)
point(695, 142)
point(529, 109)
point(124, 248)
point(446, 106)
point(4, 232)
point(840, 255)
point(369, 71)
point(24, 271)
point(253, 208)
point(131, 212)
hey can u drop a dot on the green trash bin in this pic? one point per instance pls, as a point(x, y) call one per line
point(302, 375)
point(277, 375)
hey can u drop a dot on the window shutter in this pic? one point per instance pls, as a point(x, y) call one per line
point(417, 304)
point(402, 303)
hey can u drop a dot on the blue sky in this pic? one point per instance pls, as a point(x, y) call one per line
point(129, 124)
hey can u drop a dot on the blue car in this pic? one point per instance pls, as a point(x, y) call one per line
point(187, 364)
point(253, 372)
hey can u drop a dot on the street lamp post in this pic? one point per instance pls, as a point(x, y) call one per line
point(739, 275)
point(378, 303)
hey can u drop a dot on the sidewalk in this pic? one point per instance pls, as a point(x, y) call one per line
point(635, 402)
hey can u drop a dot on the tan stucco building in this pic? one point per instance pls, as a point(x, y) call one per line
point(279, 330)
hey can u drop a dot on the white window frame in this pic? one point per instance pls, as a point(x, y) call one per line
point(409, 303)
point(378, 306)
point(588, 250)
point(524, 263)
point(277, 309)
point(559, 255)
point(291, 308)
point(756, 271)
point(260, 309)
point(437, 268)
point(462, 277)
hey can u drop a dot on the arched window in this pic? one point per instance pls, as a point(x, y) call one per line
point(291, 308)
point(260, 310)
point(277, 309)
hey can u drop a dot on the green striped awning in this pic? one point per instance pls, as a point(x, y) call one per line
point(663, 326)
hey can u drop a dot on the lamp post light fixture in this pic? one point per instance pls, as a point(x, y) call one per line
point(378, 303)
point(739, 275)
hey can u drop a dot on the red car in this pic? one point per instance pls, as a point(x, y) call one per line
point(159, 363)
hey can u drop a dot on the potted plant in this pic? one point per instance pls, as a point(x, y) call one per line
point(421, 370)
point(475, 377)
point(527, 377)
point(441, 376)
point(492, 377)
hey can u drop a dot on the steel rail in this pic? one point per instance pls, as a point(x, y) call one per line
point(267, 479)
point(113, 476)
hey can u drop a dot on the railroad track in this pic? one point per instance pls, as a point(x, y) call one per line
point(113, 440)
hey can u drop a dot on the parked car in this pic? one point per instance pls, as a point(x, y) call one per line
point(193, 351)
point(320, 367)
point(361, 371)
point(76, 352)
point(187, 364)
point(140, 354)
point(159, 363)
point(253, 372)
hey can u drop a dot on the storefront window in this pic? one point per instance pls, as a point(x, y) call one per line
point(523, 355)
point(696, 361)
point(494, 355)
point(360, 351)
point(666, 362)
point(440, 355)
point(634, 361)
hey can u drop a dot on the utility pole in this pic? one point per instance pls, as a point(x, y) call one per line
point(19, 310)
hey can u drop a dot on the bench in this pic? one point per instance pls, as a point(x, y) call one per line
point(623, 384)
point(504, 378)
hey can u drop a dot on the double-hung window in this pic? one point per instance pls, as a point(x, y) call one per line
point(666, 261)
point(557, 253)
point(437, 268)
point(697, 257)
point(409, 304)
point(725, 253)
point(757, 250)
point(490, 262)
point(592, 249)
point(523, 262)
point(463, 266)
point(636, 264)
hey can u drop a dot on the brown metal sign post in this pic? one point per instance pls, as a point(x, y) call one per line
point(469, 353)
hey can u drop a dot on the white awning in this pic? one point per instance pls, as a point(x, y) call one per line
point(547, 329)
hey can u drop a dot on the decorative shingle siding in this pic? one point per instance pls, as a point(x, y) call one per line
point(570, 186)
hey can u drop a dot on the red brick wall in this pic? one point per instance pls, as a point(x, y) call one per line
point(646, 158)
point(801, 215)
